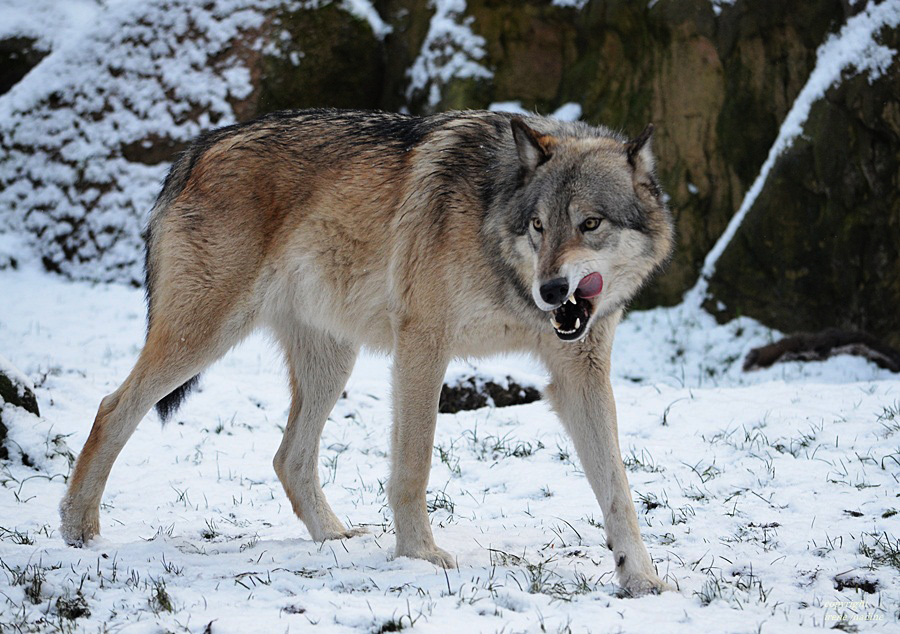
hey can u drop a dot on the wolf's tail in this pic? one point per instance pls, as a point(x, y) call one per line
point(169, 404)
point(174, 184)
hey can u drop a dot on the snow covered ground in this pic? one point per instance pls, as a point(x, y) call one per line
point(770, 500)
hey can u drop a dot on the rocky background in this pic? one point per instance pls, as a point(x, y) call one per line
point(90, 119)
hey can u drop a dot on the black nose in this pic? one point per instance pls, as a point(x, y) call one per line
point(555, 291)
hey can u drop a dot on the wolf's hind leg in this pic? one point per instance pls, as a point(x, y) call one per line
point(419, 368)
point(319, 367)
point(166, 362)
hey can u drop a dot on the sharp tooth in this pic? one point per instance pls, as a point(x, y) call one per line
point(555, 323)
point(571, 298)
point(577, 323)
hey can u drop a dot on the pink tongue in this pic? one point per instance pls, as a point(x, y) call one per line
point(590, 285)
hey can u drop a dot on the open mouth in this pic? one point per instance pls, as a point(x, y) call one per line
point(571, 319)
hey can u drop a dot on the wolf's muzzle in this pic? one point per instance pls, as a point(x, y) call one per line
point(555, 291)
point(572, 312)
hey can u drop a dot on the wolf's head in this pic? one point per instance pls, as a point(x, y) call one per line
point(590, 217)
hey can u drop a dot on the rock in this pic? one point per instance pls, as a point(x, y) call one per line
point(16, 390)
point(529, 46)
point(822, 345)
point(866, 584)
point(820, 247)
point(446, 71)
point(84, 150)
point(697, 76)
point(475, 392)
point(409, 21)
point(320, 57)
point(18, 55)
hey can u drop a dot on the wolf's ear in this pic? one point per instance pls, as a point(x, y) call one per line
point(640, 157)
point(534, 149)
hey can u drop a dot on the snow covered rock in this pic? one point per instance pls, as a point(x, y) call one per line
point(820, 245)
point(16, 391)
point(475, 391)
point(152, 73)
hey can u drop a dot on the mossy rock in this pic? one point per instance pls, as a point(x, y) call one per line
point(820, 247)
point(409, 21)
point(322, 57)
point(719, 87)
point(529, 45)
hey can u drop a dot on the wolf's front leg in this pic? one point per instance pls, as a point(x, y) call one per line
point(581, 394)
point(418, 372)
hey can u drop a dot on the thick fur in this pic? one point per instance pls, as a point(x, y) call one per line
point(416, 236)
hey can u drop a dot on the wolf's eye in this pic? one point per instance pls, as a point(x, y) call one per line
point(537, 224)
point(590, 224)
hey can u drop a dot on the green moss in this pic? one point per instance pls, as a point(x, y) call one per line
point(325, 57)
point(746, 125)
point(409, 21)
point(821, 245)
point(529, 45)
point(462, 94)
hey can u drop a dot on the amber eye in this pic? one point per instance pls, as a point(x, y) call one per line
point(590, 224)
point(537, 224)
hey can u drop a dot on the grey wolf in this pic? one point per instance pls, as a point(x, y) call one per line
point(455, 235)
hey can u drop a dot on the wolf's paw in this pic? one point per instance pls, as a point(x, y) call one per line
point(78, 528)
point(437, 556)
point(343, 533)
point(638, 584)
point(324, 525)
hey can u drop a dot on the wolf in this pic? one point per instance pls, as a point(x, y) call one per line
point(460, 234)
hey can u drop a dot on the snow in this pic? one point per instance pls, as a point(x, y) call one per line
point(50, 22)
point(514, 107)
point(13, 374)
point(754, 491)
point(575, 4)
point(718, 4)
point(567, 112)
point(450, 51)
point(856, 48)
point(365, 10)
